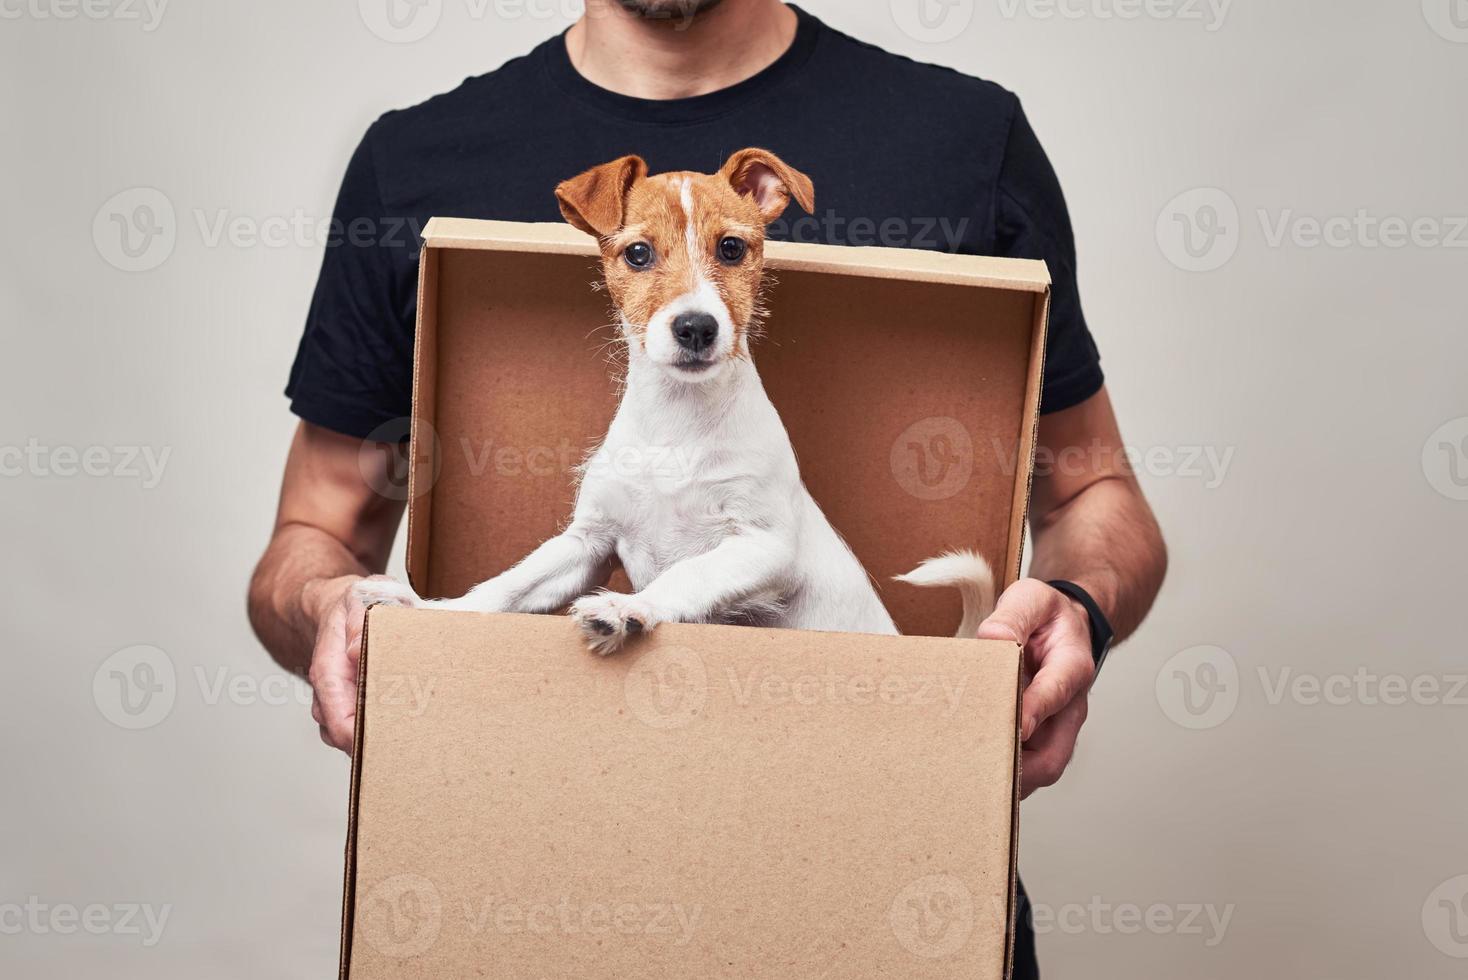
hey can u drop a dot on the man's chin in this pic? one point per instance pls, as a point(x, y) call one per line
point(668, 9)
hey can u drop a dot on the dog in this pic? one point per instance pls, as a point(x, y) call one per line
point(695, 489)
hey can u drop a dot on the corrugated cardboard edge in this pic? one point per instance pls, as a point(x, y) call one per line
point(423, 446)
point(1019, 514)
point(917, 265)
point(349, 884)
point(1013, 912)
point(1019, 509)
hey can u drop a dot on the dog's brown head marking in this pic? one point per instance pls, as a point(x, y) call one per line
point(683, 252)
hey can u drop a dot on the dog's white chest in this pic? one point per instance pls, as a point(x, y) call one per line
point(671, 504)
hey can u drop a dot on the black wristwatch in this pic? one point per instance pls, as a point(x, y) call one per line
point(1101, 631)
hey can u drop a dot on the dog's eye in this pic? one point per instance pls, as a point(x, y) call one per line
point(638, 255)
point(731, 249)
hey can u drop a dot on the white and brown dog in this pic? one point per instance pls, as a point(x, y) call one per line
point(730, 534)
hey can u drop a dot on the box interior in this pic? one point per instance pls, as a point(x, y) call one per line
point(908, 381)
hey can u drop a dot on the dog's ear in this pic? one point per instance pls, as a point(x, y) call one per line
point(770, 181)
point(594, 201)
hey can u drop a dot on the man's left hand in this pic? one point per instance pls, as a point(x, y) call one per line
point(1056, 635)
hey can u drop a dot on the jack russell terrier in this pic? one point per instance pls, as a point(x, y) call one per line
point(733, 536)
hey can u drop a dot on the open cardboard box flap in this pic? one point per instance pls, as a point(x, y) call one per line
point(714, 801)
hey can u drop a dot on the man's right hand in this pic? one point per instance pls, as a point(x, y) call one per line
point(332, 530)
point(335, 659)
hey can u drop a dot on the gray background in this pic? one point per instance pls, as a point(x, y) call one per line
point(1212, 775)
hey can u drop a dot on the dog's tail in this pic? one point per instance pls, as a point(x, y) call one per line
point(970, 574)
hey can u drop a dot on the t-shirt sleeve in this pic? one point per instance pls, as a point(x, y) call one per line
point(1031, 222)
point(354, 366)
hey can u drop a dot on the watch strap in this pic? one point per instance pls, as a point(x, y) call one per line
point(1101, 631)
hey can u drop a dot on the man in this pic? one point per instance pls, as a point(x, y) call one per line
point(902, 154)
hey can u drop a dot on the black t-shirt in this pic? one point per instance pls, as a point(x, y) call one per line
point(901, 154)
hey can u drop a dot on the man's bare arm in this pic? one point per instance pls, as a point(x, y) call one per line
point(332, 528)
point(1092, 526)
point(1088, 518)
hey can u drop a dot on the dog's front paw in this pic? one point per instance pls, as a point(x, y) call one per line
point(385, 592)
point(608, 619)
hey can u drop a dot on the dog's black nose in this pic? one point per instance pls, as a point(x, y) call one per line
point(695, 331)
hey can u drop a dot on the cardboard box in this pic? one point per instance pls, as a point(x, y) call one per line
point(713, 801)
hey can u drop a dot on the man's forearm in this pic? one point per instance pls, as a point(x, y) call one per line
point(332, 524)
point(1106, 540)
point(302, 568)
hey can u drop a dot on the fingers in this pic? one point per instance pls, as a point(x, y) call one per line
point(1022, 609)
point(333, 678)
point(1046, 755)
point(1064, 676)
point(355, 620)
point(318, 717)
point(1057, 641)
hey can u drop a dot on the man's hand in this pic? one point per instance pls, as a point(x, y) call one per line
point(1090, 525)
point(335, 659)
point(333, 529)
point(1056, 635)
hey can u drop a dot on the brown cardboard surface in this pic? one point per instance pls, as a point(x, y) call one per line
point(918, 265)
point(909, 382)
point(713, 801)
point(717, 801)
